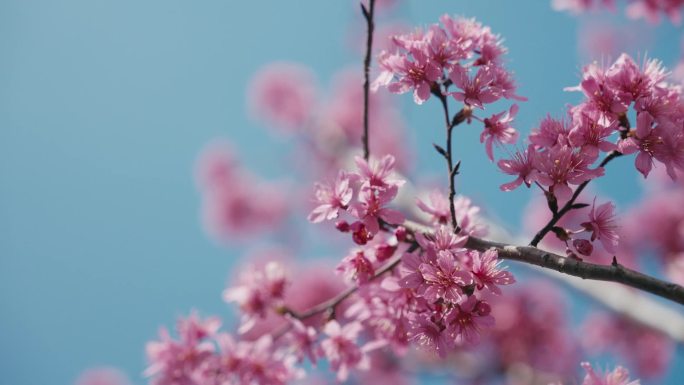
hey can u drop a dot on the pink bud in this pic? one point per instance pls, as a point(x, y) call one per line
point(360, 234)
point(583, 246)
point(342, 226)
point(384, 252)
point(401, 233)
point(482, 308)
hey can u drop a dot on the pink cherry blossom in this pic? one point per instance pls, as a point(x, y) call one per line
point(663, 143)
point(591, 133)
point(259, 291)
point(341, 349)
point(370, 209)
point(551, 133)
point(356, 267)
point(467, 320)
point(251, 362)
point(443, 279)
point(497, 129)
point(180, 361)
point(377, 173)
point(476, 91)
point(522, 165)
point(487, 273)
point(442, 239)
point(429, 335)
point(619, 376)
point(302, 340)
point(602, 225)
point(331, 198)
point(412, 71)
point(558, 167)
point(438, 207)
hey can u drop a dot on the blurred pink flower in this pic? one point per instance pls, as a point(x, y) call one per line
point(235, 202)
point(102, 376)
point(619, 376)
point(283, 94)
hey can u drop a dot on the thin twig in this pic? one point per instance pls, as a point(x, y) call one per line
point(448, 155)
point(569, 204)
point(368, 15)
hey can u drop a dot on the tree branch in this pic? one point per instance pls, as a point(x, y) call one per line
point(613, 273)
point(448, 155)
point(585, 270)
point(568, 205)
point(368, 15)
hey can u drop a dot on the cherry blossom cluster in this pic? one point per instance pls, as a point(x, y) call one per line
point(416, 283)
point(562, 153)
point(203, 355)
point(460, 51)
point(436, 295)
point(364, 195)
point(261, 291)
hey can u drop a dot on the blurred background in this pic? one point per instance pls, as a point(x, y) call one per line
point(106, 105)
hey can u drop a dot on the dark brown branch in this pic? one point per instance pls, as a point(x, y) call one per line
point(368, 15)
point(569, 204)
point(613, 273)
point(448, 154)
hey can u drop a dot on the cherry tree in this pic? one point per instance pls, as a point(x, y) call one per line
point(422, 279)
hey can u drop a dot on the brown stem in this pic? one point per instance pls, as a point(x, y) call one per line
point(568, 205)
point(368, 15)
point(448, 155)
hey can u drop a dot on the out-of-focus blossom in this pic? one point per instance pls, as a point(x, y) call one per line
point(644, 349)
point(259, 291)
point(283, 94)
point(619, 376)
point(341, 349)
point(102, 376)
point(236, 203)
point(650, 10)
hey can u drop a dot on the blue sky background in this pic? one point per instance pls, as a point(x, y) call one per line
point(104, 106)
